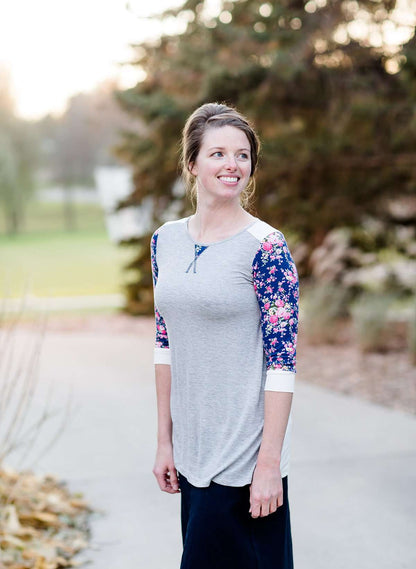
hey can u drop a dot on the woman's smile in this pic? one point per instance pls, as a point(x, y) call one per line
point(229, 180)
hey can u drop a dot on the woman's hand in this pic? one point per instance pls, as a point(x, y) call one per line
point(266, 491)
point(164, 469)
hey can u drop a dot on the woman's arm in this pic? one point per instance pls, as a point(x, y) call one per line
point(267, 490)
point(276, 285)
point(164, 467)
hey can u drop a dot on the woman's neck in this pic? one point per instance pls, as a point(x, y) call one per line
point(216, 222)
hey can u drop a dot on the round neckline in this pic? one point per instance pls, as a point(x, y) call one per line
point(204, 244)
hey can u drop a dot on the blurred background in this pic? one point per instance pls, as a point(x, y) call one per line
point(92, 102)
point(93, 98)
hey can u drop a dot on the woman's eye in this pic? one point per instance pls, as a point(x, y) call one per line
point(219, 154)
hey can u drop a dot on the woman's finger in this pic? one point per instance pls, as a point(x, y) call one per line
point(273, 506)
point(173, 477)
point(255, 511)
point(162, 477)
point(168, 486)
point(265, 509)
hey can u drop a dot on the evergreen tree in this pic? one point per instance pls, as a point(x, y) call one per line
point(337, 127)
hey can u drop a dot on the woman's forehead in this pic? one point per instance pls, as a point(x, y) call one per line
point(222, 136)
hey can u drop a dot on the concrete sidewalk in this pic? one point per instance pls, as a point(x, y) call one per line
point(33, 303)
point(352, 482)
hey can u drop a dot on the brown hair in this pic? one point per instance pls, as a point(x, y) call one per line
point(215, 115)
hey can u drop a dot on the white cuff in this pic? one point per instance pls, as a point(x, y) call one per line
point(162, 356)
point(280, 380)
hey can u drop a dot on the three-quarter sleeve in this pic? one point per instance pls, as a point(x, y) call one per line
point(161, 350)
point(276, 285)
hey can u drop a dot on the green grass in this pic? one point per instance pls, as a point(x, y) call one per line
point(53, 262)
point(41, 217)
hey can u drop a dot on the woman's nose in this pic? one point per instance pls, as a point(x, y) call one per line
point(231, 163)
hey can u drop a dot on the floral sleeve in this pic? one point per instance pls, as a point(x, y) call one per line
point(276, 285)
point(162, 352)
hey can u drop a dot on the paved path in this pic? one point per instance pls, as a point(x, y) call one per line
point(352, 482)
point(33, 303)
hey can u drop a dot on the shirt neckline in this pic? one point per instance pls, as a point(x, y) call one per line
point(205, 244)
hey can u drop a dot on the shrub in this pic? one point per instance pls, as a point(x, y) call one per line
point(412, 336)
point(370, 321)
point(323, 308)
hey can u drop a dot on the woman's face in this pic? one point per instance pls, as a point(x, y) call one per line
point(223, 164)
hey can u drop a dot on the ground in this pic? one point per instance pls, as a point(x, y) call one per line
point(385, 378)
point(353, 463)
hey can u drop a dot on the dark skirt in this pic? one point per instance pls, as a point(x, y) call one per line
point(218, 531)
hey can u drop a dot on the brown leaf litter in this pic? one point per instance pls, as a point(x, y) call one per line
point(42, 525)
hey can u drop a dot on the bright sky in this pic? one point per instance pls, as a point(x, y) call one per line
point(55, 48)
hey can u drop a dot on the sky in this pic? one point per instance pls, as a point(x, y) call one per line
point(53, 49)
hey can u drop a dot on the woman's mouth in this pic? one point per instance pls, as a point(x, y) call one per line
point(229, 179)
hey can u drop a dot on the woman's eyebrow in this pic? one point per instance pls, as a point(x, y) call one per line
point(222, 148)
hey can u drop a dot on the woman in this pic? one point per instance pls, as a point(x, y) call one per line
point(226, 306)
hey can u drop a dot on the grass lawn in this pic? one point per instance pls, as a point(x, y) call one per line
point(49, 216)
point(54, 262)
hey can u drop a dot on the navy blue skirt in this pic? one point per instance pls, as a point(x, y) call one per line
point(218, 531)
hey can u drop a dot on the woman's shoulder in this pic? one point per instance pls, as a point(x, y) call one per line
point(262, 231)
point(169, 226)
point(270, 244)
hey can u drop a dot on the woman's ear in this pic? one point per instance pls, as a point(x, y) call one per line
point(193, 169)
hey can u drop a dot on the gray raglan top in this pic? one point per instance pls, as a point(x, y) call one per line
point(226, 322)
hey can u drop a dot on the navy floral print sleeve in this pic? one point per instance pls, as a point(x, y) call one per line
point(276, 285)
point(162, 341)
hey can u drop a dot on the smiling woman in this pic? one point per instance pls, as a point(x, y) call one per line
point(226, 306)
point(223, 164)
point(242, 145)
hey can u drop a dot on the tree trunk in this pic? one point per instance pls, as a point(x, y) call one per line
point(13, 219)
point(69, 210)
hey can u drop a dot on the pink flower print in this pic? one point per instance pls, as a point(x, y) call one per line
point(269, 289)
point(267, 246)
point(273, 318)
point(161, 329)
point(280, 302)
point(272, 270)
point(291, 277)
point(267, 306)
point(273, 341)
